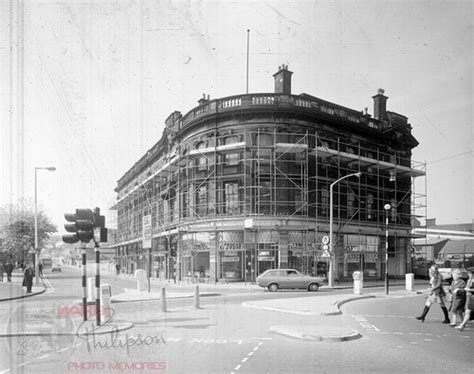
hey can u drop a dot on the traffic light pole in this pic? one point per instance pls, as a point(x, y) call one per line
point(97, 283)
point(84, 281)
point(83, 226)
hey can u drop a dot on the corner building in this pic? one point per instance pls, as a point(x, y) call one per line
point(241, 184)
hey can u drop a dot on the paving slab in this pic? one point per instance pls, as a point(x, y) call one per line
point(14, 290)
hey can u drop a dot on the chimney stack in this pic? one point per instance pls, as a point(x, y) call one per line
point(283, 80)
point(204, 100)
point(380, 104)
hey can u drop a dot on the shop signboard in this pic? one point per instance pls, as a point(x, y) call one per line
point(200, 247)
point(230, 246)
point(146, 232)
point(370, 257)
point(266, 258)
point(230, 259)
point(231, 253)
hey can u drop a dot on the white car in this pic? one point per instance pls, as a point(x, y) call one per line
point(56, 267)
point(275, 279)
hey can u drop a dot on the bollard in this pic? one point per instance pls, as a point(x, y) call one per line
point(140, 276)
point(196, 298)
point(409, 281)
point(163, 299)
point(105, 295)
point(358, 277)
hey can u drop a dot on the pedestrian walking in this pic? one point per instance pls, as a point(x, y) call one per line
point(437, 295)
point(2, 268)
point(29, 274)
point(458, 300)
point(469, 305)
point(40, 268)
point(9, 270)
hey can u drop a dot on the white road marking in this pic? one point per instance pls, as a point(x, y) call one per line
point(414, 343)
point(4, 371)
point(49, 286)
point(62, 350)
point(44, 356)
point(428, 340)
point(250, 354)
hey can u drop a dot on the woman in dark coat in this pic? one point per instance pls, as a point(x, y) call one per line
point(28, 278)
point(469, 305)
point(458, 297)
point(437, 295)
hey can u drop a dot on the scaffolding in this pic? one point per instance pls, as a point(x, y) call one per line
point(260, 194)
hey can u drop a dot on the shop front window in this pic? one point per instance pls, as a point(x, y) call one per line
point(231, 265)
point(361, 254)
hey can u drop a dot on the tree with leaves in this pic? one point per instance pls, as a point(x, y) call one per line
point(19, 233)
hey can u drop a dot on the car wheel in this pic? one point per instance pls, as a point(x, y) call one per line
point(313, 287)
point(273, 287)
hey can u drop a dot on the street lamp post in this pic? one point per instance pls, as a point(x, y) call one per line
point(387, 207)
point(331, 247)
point(50, 168)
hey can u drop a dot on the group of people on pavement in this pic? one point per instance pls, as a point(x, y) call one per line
point(28, 273)
point(462, 299)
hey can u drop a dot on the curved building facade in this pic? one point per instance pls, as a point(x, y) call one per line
point(241, 184)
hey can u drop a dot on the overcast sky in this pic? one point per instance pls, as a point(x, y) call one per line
point(100, 78)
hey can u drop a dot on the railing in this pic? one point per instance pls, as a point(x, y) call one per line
point(276, 100)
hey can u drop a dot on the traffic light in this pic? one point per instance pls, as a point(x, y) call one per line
point(100, 231)
point(82, 226)
point(86, 225)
